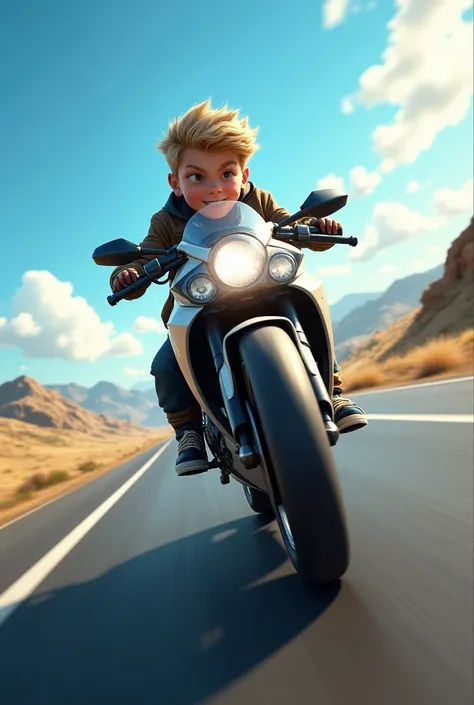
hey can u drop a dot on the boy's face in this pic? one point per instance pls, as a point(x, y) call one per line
point(206, 177)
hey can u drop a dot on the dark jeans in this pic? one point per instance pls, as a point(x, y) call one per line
point(174, 395)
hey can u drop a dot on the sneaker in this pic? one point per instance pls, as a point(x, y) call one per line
point(347, 416)
point(192, 456)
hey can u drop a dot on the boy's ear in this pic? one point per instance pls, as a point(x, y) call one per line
point(173, 182)
point(245, 175)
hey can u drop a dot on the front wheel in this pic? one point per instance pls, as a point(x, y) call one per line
point(297, 454)
point(258, 501)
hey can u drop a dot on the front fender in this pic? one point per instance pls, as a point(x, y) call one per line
point(232, 337)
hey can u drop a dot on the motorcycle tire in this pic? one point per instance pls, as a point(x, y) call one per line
point(297, 455)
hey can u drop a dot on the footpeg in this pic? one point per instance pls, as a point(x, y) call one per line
point(248, 457)
point(247, 454)
point(331, 429)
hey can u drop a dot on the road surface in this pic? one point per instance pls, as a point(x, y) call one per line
point(175, 593)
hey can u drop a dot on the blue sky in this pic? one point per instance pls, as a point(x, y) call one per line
point(87, 89)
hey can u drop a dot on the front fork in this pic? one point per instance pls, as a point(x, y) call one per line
point(325, 404)
point(236, 414)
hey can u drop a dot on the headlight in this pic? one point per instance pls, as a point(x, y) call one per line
point(239, 260)
point(201, 289)
point(282, 267)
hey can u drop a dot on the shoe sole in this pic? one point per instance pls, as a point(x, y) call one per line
point(351, 423)
point(192, 467)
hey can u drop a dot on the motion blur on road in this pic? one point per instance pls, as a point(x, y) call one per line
point(179, 594)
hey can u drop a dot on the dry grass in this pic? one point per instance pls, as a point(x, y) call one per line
point(38, 463)
point(437, 356)
point(466, 340)
point(440, 356)
point(364, 378)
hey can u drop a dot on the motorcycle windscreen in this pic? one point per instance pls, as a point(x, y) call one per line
point(224, 218)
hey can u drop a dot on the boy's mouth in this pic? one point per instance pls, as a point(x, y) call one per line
point(219, 200)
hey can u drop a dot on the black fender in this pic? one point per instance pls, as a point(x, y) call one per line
point(231, 355)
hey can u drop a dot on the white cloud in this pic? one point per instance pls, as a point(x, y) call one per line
point(144, 324)
point(387, 269)
point(134, 372)
point(49, 322)
point(334, 270)
point(25, 326)
point(436, 250)
point(347, 105)
point(363, 182)
point(393, 223)
point(450, 203)
point(383, 271)
point(426, 71)
point(413, 186)
point(334, 12)
point(331, 181)
point(23, 368)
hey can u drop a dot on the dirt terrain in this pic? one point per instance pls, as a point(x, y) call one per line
point(49, 445)
point(435, 339)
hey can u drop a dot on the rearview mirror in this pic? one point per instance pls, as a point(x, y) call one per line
point(324, 202)
point(319, 204)
point(116, 253)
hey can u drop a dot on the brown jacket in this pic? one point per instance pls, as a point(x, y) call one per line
point(167, 226)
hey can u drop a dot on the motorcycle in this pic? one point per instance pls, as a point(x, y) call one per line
point(252, 334)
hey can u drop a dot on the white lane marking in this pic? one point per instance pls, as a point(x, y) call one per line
point(413, 386)
point(45, 504)
point(437, 418)
point(22, 588)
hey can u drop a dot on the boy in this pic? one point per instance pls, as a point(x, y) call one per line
point(207, 151)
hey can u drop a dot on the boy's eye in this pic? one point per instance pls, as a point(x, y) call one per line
point(194, 177)
point(228, 174)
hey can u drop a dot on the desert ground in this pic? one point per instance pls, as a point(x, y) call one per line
point(38, 464)
point(444, 356)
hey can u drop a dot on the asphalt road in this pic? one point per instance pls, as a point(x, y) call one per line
point(180, 595)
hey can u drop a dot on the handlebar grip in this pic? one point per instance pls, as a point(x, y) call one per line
point(117, 296)
point(315, 230)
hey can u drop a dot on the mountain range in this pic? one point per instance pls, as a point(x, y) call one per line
point(445, 309)
point(349, 302)
point(380, 312)
point(137, 405)
point(447, 304)
point(25, 399)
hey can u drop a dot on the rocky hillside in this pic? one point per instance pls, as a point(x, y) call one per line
point(137, 405)
point(27, 400)
point(380, 313)
point(446, 308)
point(447, 304)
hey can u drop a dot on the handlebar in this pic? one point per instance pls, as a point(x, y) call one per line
point(311, 233)
point(173, 258)
point(117, 296)
point(153, 270)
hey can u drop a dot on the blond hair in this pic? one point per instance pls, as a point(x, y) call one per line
point(210, 130)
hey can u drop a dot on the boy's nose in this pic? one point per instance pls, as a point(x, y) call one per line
point(214, 188)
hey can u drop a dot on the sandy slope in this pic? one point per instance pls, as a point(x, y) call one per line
point(26, 450)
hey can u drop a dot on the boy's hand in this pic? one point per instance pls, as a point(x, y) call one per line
point(125, 278)
point(328, 226)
